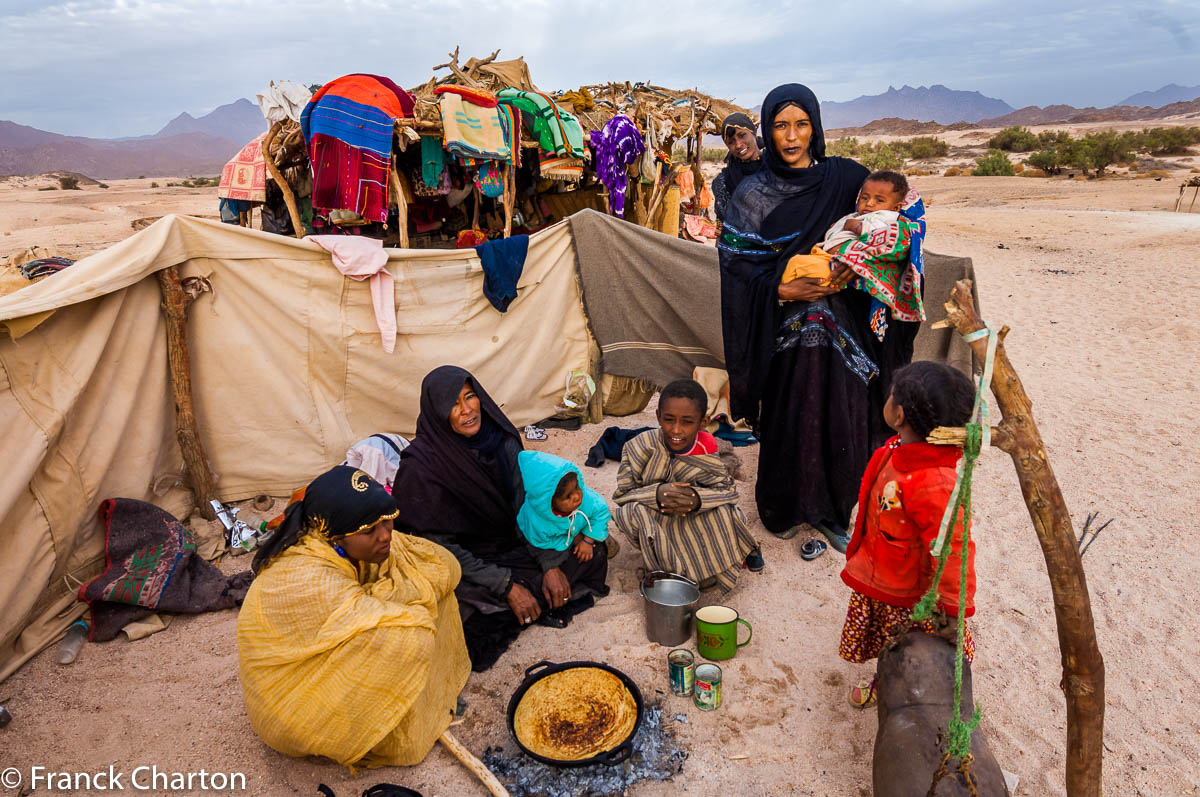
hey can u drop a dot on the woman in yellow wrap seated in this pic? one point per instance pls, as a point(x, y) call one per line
point(349, 642)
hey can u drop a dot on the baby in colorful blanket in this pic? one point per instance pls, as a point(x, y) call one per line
point(881, 243)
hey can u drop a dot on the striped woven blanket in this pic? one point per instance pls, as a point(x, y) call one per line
point(348, 128)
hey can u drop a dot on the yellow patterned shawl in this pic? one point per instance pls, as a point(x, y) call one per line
point(361, 664)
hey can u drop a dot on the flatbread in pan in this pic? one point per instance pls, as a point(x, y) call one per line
point(575, 714)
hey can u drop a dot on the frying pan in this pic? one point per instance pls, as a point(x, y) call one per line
point(544, 668)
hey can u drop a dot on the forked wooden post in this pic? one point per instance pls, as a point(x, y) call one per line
point(175, 302)
point(1083, 666)
point(289, 198)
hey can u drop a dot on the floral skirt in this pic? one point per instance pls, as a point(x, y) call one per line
point(870, 623)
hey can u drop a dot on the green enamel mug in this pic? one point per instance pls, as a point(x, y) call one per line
point(717, 632)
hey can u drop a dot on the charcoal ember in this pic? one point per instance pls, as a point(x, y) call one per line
point(656, 756)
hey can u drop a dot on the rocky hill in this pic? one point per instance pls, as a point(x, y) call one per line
point(239, 121)
point(924, 104)
point(27, 150)
point(1172, 92)
point(1066, 114)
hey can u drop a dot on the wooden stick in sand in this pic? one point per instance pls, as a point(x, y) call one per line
point(1018, 436)
point(474, 764)
point(175, 301)
point(288, 197)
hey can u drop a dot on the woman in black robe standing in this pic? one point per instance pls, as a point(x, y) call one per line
point(805, 369)
point(458, 485)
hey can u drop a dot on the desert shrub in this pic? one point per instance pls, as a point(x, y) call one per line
point(1033, 173)
point(1052, 138)
point(68, 183)
point(1159, 173)
point(104, 185)
point(953, 171)
point(1166, 140)
point(49, 188)
point(154, 185)
point(993, 164)
point(1046, 161)
point(141, 177)
point(924, 148)
point(915, 172)
point(1013, 139)
point(1107, 147)
point(1077, 154)
point(1018, 168)
point(1195, 171)
point(883, 156)
point(845, 147)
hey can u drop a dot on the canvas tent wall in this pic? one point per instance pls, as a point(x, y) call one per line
point(288, 370)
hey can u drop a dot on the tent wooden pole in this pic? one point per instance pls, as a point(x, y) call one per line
point(478, 199)
point(510, 198)
point(660, 190)
point(1083, 666)
point(401, 204)
point(289, 198)
point(472, 763)
point(175, 302)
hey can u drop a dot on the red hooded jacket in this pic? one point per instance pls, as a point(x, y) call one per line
point(903, 496)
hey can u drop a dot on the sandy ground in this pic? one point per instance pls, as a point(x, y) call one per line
point(1095, 280)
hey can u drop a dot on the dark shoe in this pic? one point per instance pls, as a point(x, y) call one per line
point(555, 618)
point(708, 583)
point(610, 542)
point(754, 561)
point(787, 535)
point(837, 536)
point(811, 549)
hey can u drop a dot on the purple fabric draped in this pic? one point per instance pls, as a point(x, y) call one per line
point(617, 146)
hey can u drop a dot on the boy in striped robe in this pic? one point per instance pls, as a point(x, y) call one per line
point(676, 499)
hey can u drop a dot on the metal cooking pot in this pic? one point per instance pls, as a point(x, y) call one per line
point(543, 668)
point(671, 601)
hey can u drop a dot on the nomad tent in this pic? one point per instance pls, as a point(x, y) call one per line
point(288, 369)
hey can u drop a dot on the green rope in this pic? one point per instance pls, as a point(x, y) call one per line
point(958, 733)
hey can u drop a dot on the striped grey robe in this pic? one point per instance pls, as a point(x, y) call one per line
point(712, 541)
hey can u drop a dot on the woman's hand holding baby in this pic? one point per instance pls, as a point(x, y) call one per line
point(804, 289)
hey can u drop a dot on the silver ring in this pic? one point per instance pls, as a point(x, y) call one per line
point(528, 620)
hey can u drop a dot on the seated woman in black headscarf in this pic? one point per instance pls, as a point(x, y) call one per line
point(805, 369)
point(743, 160)
point(459, 485)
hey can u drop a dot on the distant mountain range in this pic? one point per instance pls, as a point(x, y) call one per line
point(924, 104)
point(239, 121)
point(1172, 92)
point(186, 145)
point(1060, 114)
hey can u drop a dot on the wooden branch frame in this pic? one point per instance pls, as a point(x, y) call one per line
point(175, 301)
point(1083, 666)
point(401, 204)
point(289, 198)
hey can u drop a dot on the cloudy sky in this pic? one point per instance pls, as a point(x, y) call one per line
point(109, 68)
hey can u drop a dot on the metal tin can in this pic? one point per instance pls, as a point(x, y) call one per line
point(682, 665)
point(708, 687)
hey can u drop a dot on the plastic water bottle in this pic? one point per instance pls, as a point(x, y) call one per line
point(68, 649)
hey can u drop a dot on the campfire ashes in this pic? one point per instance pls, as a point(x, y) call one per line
point(656, 756)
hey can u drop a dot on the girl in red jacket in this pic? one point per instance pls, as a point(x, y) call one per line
point(903, 496)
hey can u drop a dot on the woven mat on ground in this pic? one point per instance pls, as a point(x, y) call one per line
point(152, 566)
